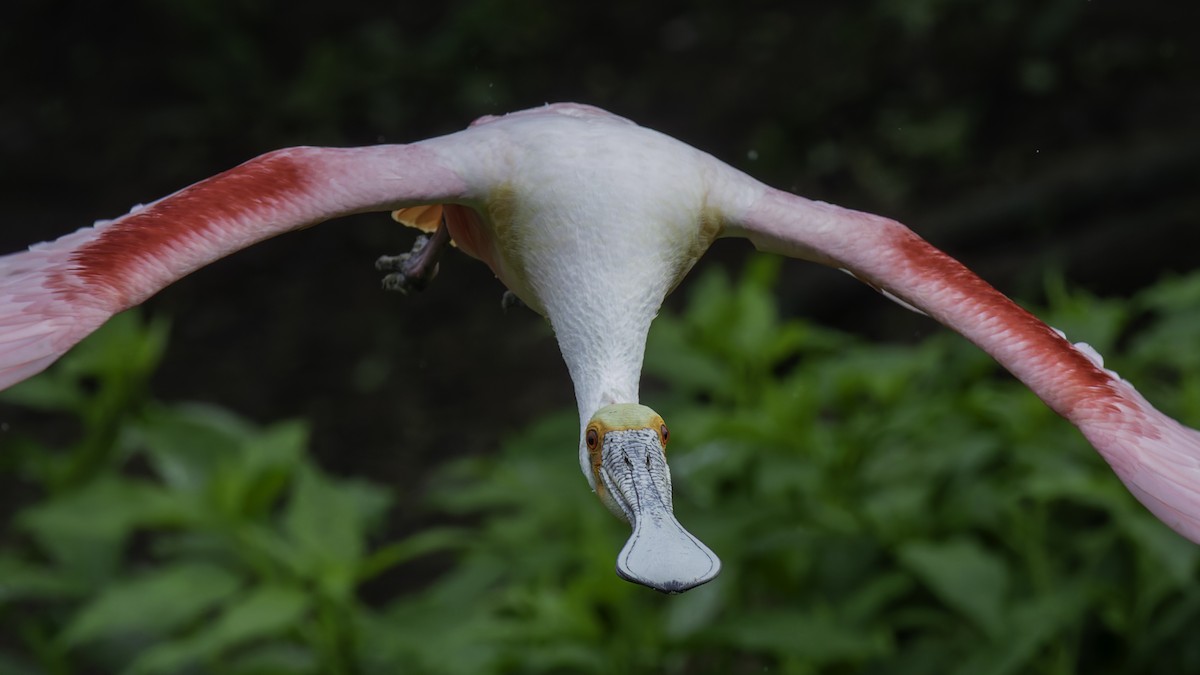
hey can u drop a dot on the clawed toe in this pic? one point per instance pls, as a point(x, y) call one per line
point(392, 263)
point(403, 283)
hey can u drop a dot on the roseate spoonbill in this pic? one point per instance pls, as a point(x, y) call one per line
point(590, 220)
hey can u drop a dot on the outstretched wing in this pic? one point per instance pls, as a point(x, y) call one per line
point(54, 294)
point(1157, 458)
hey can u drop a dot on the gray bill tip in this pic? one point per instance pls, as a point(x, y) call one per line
point(662, 555)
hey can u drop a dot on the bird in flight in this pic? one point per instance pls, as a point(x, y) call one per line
point(590, 220)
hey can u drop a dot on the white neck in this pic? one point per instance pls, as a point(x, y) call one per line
point(601, 327)
point(603, 345)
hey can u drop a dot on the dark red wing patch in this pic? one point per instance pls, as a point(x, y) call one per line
point(160, 230)
point(1044, 349)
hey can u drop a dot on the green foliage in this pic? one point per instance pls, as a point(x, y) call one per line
point(194, 542)
point(901, 508)
point(894, 508)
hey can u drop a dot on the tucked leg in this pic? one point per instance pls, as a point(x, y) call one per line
point(414, 270)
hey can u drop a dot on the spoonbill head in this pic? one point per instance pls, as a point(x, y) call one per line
point(626, 446)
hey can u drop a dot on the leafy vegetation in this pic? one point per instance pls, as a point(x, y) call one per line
point(878, 508)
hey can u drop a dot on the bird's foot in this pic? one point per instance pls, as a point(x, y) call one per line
point(510, 300)
point(414, 270)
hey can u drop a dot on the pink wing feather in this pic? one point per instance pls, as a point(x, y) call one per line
point(54, 294)
point(1156, 457)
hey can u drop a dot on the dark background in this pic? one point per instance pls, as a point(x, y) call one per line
point(1020, 136)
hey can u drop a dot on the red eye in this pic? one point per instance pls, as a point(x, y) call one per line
point(592, 439)
point(666, 435)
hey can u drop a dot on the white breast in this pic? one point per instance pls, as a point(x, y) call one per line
point(601, 219)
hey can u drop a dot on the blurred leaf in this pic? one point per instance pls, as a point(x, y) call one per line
point(752, 331)
point(965, 576)
point(1172, 294)
point(124, 344)
point(693, 611)
point(327, 520)
point(419, 544)
point(10, 665)
point(273, 659)
point(1034, 622)
point(86, 530)
point(151, 605)
point(1170, 341)
point(815, 637)
point(53, 391)
point(1170, 552)
point(268, 460)
point(189, 444)
point(267, 611)
point(871, 599)
point(670, 355)
point(20, 580)
point(1083, 317)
